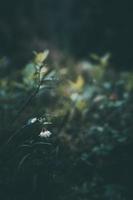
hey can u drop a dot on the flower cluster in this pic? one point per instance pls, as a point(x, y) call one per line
point(45, 133)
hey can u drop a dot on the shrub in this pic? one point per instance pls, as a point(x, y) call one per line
point(72, 136)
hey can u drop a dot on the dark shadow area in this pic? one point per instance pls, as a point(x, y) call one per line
point(75, 27)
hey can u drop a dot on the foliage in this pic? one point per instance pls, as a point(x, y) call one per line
point(66, 131)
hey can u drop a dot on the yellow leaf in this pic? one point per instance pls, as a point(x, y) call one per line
point(78, 84)
point(41, 56)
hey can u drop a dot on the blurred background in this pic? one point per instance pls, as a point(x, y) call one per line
point(73, 27)
point(66, 100)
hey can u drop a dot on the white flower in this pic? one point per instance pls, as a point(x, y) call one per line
point(32, 120)
point(45, 133)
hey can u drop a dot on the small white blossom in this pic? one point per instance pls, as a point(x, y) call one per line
point(31, 121)
point(45, 133)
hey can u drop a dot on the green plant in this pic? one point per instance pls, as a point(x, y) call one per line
point(72, 137)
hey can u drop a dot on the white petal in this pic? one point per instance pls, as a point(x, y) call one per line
point(33, 120)
point(45, 134)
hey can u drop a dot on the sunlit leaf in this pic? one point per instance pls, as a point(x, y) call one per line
point(41, 56)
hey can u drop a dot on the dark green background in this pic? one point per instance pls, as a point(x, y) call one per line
point(74, 26)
